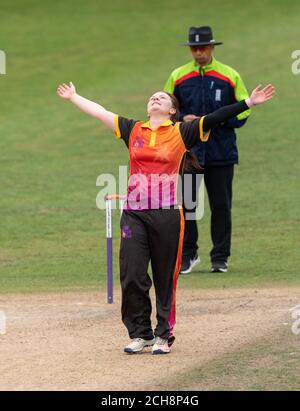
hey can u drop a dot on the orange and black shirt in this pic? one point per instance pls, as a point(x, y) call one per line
point(156, 159)
point(157, 156)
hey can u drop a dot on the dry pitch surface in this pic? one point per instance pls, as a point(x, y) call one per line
point(74, 341)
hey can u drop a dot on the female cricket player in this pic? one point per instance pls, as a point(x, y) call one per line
point(152, 223)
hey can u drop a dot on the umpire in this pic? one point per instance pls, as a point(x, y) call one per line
point(201, 87)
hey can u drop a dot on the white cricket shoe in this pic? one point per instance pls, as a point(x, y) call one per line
point(137, 345)
point(161, 346)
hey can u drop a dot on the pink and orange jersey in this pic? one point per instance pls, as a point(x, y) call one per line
point(157, 159)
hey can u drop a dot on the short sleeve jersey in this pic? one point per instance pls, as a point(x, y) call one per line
point(156, 159)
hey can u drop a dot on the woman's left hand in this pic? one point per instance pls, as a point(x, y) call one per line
point(259, 96)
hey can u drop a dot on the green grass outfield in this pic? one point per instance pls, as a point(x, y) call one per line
point(52, 236)
point(269, 364)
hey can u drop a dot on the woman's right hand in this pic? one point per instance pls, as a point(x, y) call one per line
point(65, 91)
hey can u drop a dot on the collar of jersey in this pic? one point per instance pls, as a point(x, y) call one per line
point(212, 65)
point(164, 124)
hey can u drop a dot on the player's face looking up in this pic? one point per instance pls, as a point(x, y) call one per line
point(160, 102)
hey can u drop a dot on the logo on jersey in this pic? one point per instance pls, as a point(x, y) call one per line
point(218, 95)
point(126, 232)
point(138, 142)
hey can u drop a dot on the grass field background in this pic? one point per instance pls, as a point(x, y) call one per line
point(269, 364)
point(52, 235)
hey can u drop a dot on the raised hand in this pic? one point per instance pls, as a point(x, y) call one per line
point(259, 96)
point(65, 91)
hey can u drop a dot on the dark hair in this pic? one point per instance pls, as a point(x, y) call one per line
point(191, 164)
point(175, 104)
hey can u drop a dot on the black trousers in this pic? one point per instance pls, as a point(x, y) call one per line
point(154, 236)
point(218, 182)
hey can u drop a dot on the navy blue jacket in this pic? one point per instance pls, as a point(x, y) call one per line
point(202, 90)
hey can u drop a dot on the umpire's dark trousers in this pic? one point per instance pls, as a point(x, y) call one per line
point(218, 182)
point(154, 236)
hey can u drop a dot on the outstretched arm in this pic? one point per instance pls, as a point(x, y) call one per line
point(258, 96)
point(89, 107)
